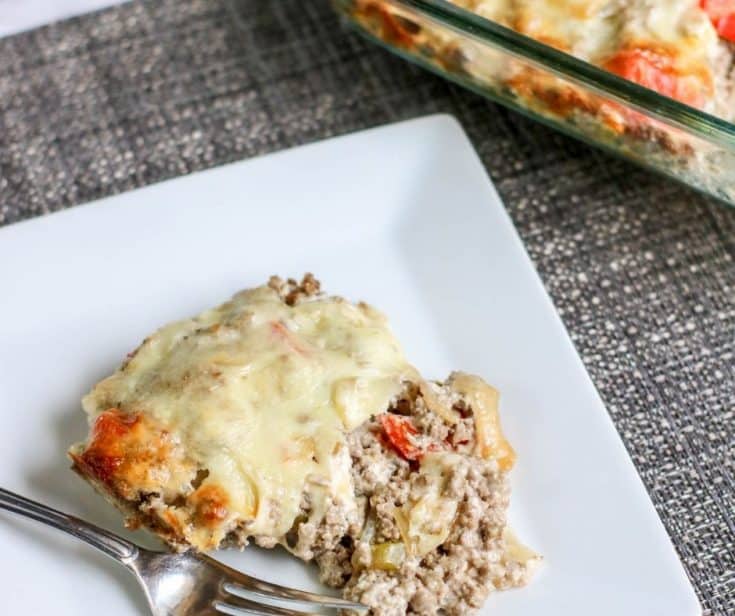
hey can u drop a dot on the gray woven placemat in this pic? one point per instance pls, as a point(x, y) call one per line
point(641, 270)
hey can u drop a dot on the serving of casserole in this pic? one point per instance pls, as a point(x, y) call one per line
point(286, 417)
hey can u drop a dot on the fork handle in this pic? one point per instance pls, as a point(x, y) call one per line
point(114, 546)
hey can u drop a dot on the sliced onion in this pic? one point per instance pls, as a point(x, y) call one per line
point(388, 556)
point(483, 399)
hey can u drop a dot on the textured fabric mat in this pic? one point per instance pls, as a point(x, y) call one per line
point(641, 270)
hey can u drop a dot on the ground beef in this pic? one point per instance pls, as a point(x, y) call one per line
point(454, 578)
point(468, 565)
point(293, 291)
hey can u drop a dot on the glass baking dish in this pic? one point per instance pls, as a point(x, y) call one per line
point(564, 92)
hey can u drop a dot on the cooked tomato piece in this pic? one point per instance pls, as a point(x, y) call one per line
point(726, 27)
point(281, 332)
point(113, 423)
point(398, 430)
point(106, 450)
point(722, 15)
point(656, 70)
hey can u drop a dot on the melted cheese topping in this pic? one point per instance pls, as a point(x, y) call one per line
point(261, 394)
point(595, 30)
point(592, 28)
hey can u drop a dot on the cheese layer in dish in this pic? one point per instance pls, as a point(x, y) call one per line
point(288, 417)
point(680, 48)
point(683, 49)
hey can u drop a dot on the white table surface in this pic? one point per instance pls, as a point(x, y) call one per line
point(18, 15)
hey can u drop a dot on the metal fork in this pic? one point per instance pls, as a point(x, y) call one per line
point(187, 584)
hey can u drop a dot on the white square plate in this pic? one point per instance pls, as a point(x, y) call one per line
point(404, 217)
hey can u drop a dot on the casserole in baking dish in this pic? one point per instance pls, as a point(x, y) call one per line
point(651, 80)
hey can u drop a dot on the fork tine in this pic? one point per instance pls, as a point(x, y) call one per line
point(295, 596)
point(245, 583)
point(245, 606)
